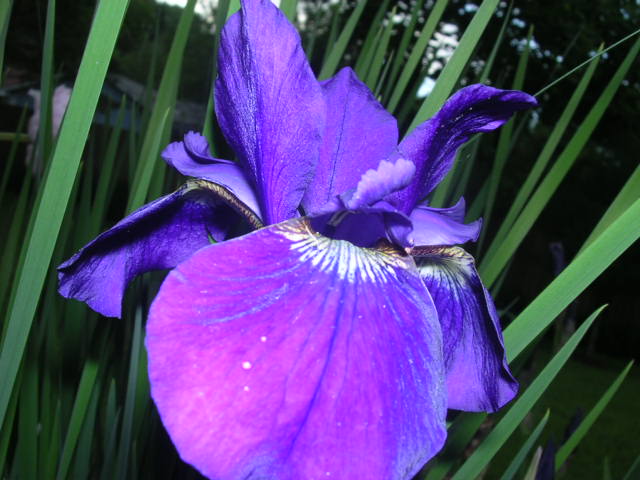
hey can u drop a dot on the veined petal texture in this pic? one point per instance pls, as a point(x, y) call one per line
point(432, 145)
point(478, 376)
point(269, 106)
point(359, 134)
point(443, 226)
point(157, 236)
point(285, 354)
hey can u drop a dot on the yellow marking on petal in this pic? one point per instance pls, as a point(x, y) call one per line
point(221, 193)
point(345, 259)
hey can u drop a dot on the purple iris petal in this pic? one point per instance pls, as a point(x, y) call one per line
point(191, 158)
point(432, 145)
point(197, 147)
point(375, 185)
point(305, 358)
point(367, 226)
point(442, 226)
point(478, 376)
point(269, 106)
point(157, 236)
point(359, 133)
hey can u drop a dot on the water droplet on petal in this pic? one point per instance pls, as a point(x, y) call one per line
point(246, 388)
point(263, 339)
point(246, 365)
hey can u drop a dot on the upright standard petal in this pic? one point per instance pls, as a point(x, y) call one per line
point(157, 236)
point(432, 145)
point(285, 354)
point(269, 106)
point(442, 226)
point(478, 376)
point(359, 133)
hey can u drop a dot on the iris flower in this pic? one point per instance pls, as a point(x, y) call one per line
point(330, 340)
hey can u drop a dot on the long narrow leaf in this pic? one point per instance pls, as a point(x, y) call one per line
point(449, 76)
point(634, 471)
point(592, 416)
point(524, 192)
point(629, 193)
point(331, 64)
point(504, 145)
point(505, 427)
point(288, 7)
point(557, 173)
point(416, 53)
point(5, 15)
point(377, 60)
point(57, 188)
point(127, 421)
point(80, 406)
point(45, 140)
point(583, 270)
point(162, 113)
point(407, 35)
point(518, 460)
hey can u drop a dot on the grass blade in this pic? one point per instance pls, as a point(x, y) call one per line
point(505, 427)
point(377, 60)
point(518, 460)
point(288, 7)
point(220, 17)
point(105, 181)
point(541, 162)
point(416, 53)
point(5, 15)
point(331, 64)
point(399, 60)
point(532, 471)
point(57, 189)
point(486, 71)
point(162, 113)
point(80, 406)
point(148, 162)
point(82, 458)
point(127, 421)
point(462, 429)
point(547, 188)
point(586, 62)
point(504, 145)
point(634, 470)
point(11, 158)
point(629, 193)
point(371, 40)
point(45, 133)
point(449, 76)
point(585, 268)
point(27, 445)
point(592, 416)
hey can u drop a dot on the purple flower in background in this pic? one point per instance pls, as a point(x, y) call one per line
point(330, 341)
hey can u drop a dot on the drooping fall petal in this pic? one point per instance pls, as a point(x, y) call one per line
point(157, 236)
point(359, 134)
point(304, 358)
point(432, 145)
point(269, 106)
point(478, 376)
